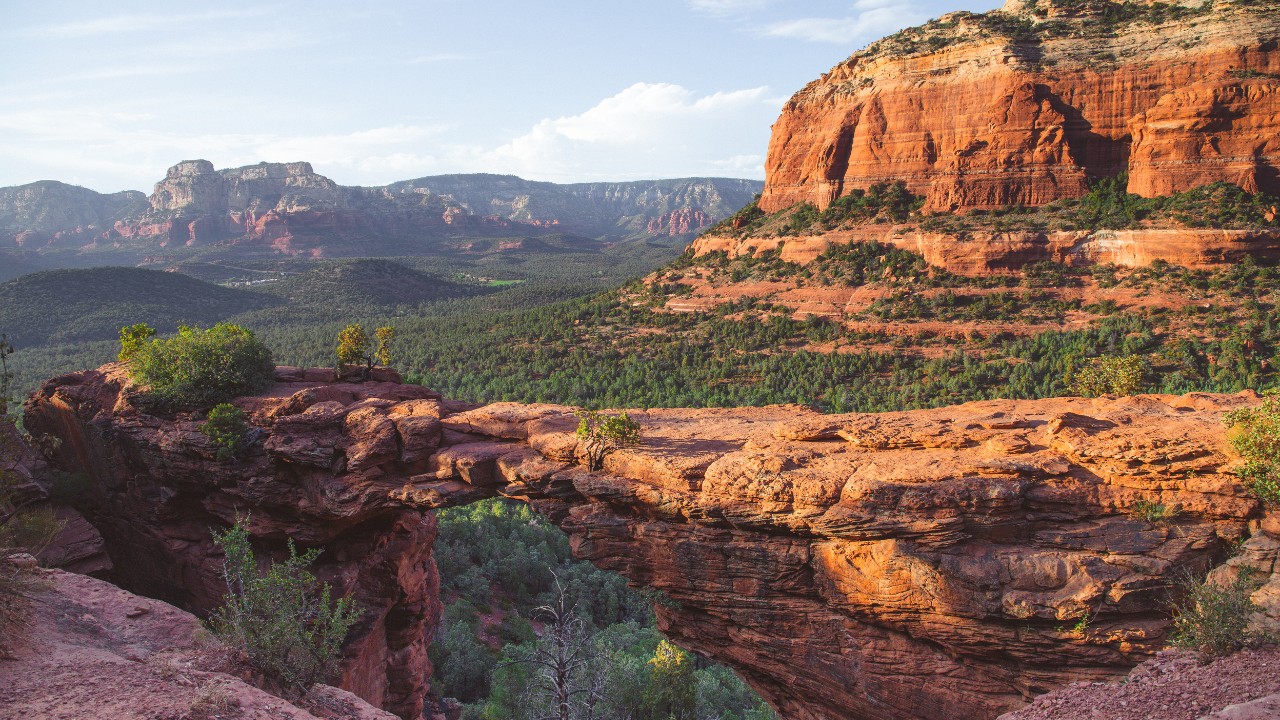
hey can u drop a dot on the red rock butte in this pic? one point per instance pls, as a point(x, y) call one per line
point(907, 565)
point(1026, 105)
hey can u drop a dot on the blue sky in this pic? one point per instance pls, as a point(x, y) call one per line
point(108, 95)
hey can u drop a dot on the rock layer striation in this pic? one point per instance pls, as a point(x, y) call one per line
point(1026, 105)
point(948, 563)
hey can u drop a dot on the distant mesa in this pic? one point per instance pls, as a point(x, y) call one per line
point(274, 209)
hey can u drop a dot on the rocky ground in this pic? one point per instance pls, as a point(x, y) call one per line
point(97, 651)
point(1176, 685)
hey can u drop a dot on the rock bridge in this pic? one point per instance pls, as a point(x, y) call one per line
point(924, 564)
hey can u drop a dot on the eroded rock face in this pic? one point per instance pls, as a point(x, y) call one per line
point(925, 564)
point(982, 252)
point(991, 118)
point(158, 491)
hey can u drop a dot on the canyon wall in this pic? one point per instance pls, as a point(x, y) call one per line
point(1026, 105)
point(947, 563)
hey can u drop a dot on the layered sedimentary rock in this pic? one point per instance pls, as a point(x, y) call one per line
point(982, 251)
point(947, 563)
point(156, 492)
point(1027, 104)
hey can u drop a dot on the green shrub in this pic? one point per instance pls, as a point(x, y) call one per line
point(133, 338)
point(1109, 375)
point(225, 426)
point(1155, 512)
point(1255, 434)
point(1214, 618)
point(887, 201)
point(602, 434)
point(288, 629)
point(201, 368)
point(803, 216)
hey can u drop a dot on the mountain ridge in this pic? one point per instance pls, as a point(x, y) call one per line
point(287, 209)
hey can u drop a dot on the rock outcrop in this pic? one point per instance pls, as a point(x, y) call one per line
point(947, 563)
point(78, 546)
point(1026, 105)
point(97, 651)
point(156, 491)
point(979, 253)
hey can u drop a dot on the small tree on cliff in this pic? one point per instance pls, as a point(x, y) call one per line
point(602, 434)
point(288, 629)
point(355, 347)
point(134, 338)
point(226, 427)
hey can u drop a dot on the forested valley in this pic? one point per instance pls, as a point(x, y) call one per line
point(604, 330)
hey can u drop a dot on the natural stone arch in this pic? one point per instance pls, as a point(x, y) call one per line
point(921, 564)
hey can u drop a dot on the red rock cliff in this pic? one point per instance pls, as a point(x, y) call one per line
point(1025, 105)
point(926, 564)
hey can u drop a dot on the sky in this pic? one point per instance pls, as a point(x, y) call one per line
point(109, 95)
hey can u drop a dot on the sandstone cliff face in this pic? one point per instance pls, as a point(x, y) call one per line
point(926, 564)
point(48, 212)
point(1026, 105)
point(981, 252)
point(157, 492)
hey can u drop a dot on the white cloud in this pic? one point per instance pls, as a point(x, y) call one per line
point(874, 20)
point(130, 149)
point(646, 130)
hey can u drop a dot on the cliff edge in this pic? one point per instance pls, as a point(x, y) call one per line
point(948, 563)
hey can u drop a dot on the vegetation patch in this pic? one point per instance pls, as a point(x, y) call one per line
point(1255, 434)
point(199, 368)
point(289, 627)
point(60, 306)
point(1107, 206)
point(1213, 618)
point(1156, 513)
point(1042, 20)
point(226, 427)
point(1109, 375)
point(519, 608)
